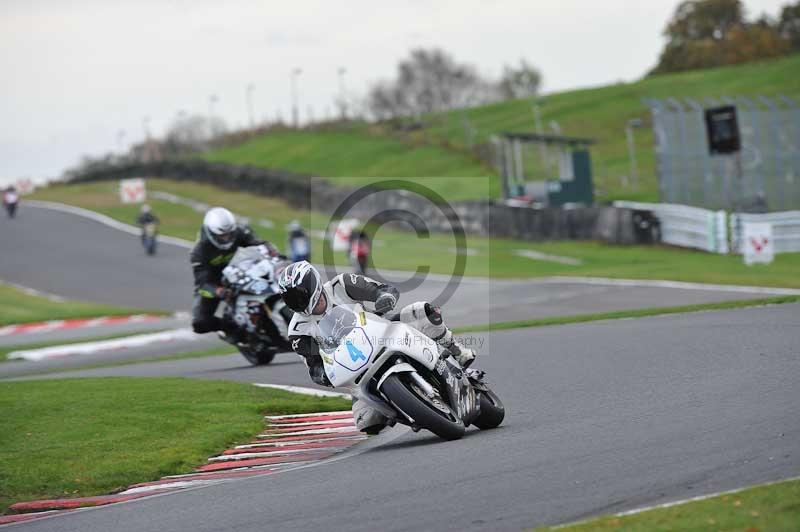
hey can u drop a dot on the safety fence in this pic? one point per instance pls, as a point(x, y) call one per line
point(691, 227)
point(785, 229)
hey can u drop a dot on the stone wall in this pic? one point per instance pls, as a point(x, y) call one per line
point(480, 217)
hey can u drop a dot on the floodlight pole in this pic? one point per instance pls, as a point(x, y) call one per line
point(537, 117)
point(120, 138)
point(634, 170)
point(295, 113)
point(249, 101)
point(342, 101)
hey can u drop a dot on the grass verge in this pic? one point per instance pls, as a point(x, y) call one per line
point(489, 257)
point(638, 313)
point(17, 306)
point(769, 507)
point(82, 437)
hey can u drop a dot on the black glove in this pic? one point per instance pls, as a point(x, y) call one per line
point(385, 303)
point(317, 374)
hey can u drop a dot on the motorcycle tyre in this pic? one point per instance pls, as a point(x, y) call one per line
point(258, 358)
point(423, 414)
point(492, 411)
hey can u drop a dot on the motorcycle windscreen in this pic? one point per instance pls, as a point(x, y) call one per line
point(335, 326)
point(346, 347)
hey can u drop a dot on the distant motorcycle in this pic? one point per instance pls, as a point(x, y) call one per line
point(10, 201)
point(150, 237)
point(404, 374)
point(254, 303)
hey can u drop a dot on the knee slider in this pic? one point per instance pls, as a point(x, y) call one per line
point(434, 314)
point(425, 318)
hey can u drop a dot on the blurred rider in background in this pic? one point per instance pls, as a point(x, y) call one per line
point(220, 237)
point(360, 248)
point(298, 244)
point(146, 216)
point(148, 222)
point(10, 201)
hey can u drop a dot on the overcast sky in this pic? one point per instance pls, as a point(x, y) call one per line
point(76, 73)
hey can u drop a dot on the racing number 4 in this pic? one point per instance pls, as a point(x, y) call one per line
point(355, 353)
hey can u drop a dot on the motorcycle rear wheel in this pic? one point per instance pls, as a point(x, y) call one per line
point(424, 414)
point(258, 357)
point(492, 411)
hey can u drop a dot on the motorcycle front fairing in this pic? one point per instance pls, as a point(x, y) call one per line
point(251, 274)
point(358, 347)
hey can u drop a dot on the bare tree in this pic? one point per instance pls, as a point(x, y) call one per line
point(427, 81)
point(431, 81)
point(520, 82)
point(192, 133)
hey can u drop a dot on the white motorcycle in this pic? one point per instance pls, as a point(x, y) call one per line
point(404, 374)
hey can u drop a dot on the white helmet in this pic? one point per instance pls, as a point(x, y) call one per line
point(219, 226)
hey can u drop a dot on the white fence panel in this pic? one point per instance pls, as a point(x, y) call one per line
point(785, 229)
point(686, 226)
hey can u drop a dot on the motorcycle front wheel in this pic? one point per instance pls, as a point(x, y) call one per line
point(492, 411)
point(439, 419)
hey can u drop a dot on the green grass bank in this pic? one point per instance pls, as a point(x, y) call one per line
point(83, 437)
point(770, 507)
point(440, 148)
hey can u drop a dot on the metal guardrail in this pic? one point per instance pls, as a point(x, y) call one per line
point(685, 226)
point(785, 229)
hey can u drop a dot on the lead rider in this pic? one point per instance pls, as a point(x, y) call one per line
point(304, 292)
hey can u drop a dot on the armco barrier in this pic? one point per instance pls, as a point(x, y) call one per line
point(686, 226)
point(785, 229)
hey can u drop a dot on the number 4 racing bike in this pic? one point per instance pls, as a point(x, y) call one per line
point(403, 374)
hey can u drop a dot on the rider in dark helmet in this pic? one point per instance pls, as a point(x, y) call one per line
point(304, 292)
point(220, 237)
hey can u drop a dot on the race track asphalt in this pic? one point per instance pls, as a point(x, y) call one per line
point(602, 417)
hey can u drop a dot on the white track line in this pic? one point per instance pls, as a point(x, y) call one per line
point(89, 348)
point(277, 452)
point(699, 498)
point(237, 469)
point(302, 390)
point(309, 423)
point(670, 284)
point(307, 432)
point(178, 484)
point(538, 255)
point(678, 502)
point(105, 220)
point(298, 442)
point(317, 414)
point(33, 292)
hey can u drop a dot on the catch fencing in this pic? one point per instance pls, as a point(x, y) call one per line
point(685, 226)
point(693, 227)
point(763, 177)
